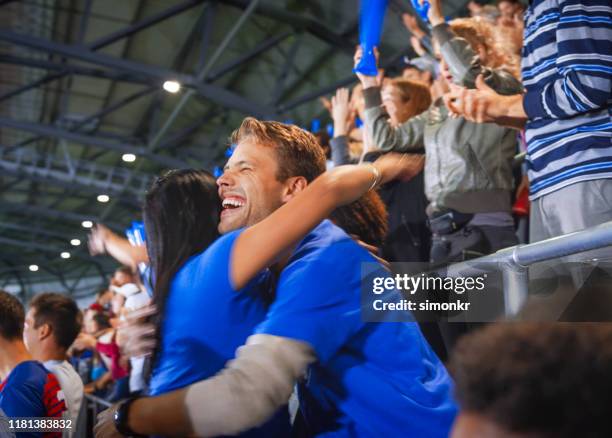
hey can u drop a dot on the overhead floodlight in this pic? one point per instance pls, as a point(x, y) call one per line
point(87, 224)
point(103, 198)
point(75, 242)
point(172, 86)
point(33, 268)
point(128, 158)
point(65, 255)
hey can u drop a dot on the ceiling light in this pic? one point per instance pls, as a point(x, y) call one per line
point(103, 198)
point(128, 158)
point(33, 268)
point(75, 242)
point(172, 86)
point(87, 224)
point(65, 255)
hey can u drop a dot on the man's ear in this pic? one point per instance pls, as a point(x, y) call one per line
point(44, 331)
point(293, 186)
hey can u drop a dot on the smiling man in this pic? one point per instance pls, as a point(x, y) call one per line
point(269, 166)
point(362, 379)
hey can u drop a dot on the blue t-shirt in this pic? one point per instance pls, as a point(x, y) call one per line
point(371, 379)
point(206, 320)
point(30, 390)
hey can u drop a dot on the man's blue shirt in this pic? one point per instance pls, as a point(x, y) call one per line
point(371, 379)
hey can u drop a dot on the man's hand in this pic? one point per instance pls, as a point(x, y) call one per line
point(485, 105)
point(136, 336)
point(366, 81)
point(105, 427)
point(97, 239)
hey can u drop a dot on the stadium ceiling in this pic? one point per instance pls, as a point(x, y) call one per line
point(81, 85)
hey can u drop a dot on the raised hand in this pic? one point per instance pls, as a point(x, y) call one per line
point(341, 111)
point(136, 336)
point(97, 238)
point(366, 81)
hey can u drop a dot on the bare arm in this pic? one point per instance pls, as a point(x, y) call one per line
point(104, 241)
point(261, 244)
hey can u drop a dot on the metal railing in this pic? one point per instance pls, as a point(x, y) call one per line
point(97, 403)
point(514, 261)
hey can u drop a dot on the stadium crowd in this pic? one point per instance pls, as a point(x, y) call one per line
point(241, 312)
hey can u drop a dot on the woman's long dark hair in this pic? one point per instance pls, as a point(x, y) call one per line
point(181, 215)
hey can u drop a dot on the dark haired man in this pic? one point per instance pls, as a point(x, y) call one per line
point(51, 326)
point(363, 379)
point(528, 380)
point(27, 389)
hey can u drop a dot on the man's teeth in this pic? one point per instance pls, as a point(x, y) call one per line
point(232, 203)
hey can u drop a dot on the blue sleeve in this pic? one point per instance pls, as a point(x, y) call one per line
point(318, 300)
point(583, 63)
point(22, 396)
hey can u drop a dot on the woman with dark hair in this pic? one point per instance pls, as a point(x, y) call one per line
point(181, 214)
point(365, 219)
point(193, 269)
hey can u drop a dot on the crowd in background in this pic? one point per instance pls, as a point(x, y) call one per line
point(482, 91)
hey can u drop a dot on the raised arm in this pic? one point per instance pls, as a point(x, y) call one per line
point(260, 245)
point(407, 137)
point(103, 241)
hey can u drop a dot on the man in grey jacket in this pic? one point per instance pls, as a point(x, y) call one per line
point(468, 174)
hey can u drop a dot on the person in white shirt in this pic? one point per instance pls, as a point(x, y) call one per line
point(135, 298)
point(51, 325)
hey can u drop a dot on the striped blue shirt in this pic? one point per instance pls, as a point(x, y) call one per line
point(567, 74)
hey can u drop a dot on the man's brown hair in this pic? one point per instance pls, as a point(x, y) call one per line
point(61, 313)
point(12, 316)
point(537, 378)
point(297, 151)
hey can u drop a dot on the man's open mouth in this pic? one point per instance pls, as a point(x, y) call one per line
point(231, 204)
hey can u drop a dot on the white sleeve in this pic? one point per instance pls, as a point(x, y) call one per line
point(251, 387)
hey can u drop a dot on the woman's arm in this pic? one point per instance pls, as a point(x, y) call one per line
point(260, 245)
